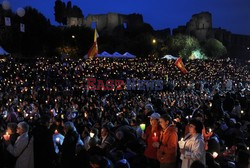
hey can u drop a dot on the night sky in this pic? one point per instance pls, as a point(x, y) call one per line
point(233, 15)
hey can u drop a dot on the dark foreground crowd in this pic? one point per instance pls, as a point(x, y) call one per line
point(49, 119)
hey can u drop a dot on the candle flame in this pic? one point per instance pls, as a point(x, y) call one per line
point(155, 134)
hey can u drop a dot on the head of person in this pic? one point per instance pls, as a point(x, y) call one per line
point(148, 108)
point(11, 128)
point(104, 131)
point(133, 123)
point(119, 135)
point(154, 118)
point(197, 164)
point(165, 121)
point(22, 128)
point(195, 127)
point(69, 127)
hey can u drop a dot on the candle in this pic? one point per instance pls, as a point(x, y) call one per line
point(210, 130)
point(181, 143)
point(6, 136)
point(242, 112)
point(85, 115)
point(62, 116)
point(142, 126)
point(215, 154)
point(247, 148)
point(56, 132)
point(226, 148)
point(57, 139)
point(155, 137)
point(91, 134)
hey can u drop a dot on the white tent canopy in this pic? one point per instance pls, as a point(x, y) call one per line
point(128, 55)
point(3, 52)
point(169, 57)
point(116, 55)
point(104, 54)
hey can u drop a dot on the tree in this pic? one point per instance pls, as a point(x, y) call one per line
point(214, 49)
point(183, 45)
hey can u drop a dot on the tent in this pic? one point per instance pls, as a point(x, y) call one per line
point(3, 52)
point(169, 57)
point(128, 55)
point(104, 54)
point(116, 55)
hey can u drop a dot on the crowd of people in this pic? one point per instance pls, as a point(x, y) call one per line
point(48, 117)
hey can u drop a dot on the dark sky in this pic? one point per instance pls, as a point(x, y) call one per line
point(233, 15)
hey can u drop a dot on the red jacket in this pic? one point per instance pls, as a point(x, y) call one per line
point(167, 151)
point(150, 151)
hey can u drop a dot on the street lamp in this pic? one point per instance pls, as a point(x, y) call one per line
point(154, 41)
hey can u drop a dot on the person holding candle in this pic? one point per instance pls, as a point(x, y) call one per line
point(151, 137)
point(10, 136)
point(23, 147)
point(167, 145)
point(194, 146)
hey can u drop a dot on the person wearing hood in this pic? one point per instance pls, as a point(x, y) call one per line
point(167, 147)
point(193, 146)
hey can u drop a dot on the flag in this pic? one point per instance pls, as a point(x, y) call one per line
point(180, 65)
point(7, 21)
point(22, 27)
point(94, 48)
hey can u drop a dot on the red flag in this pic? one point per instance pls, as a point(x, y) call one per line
point(94, 48)
point(180, 65)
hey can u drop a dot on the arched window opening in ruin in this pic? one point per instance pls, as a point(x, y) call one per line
point(93, 25)
point(125, 25)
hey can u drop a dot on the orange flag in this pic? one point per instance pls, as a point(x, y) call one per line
point(94, 48)
point(180, 65)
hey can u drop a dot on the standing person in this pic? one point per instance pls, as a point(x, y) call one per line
point(153, 130)
point(194, 146)
point(68, 148)
point(9, 158)
point(167, 151)
point(44, 151)
point(23, 147)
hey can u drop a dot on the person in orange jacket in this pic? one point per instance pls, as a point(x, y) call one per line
point(152, 135)
point(167, 147)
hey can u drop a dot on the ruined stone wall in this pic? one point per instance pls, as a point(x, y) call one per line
point(111, 20)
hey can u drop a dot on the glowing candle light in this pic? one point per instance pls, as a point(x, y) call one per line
point(215, 154)
point(57, 139)
point(91, 134)
point(155, 137)
point(143, 126)
point(6, 136)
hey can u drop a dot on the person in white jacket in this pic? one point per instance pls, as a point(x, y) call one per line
point(193, 145)
point(23, 147)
